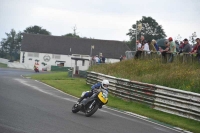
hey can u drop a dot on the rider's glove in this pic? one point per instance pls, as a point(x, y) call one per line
point(95, 90)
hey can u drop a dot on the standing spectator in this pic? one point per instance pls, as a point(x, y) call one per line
point(97, 59)
point(181, 46)
point(145, 47)
point(186, 47)
point(151, 46)
point(142, 40)
point(121, 58)
point(155, 45)
point(164, 52)
point(196, 49)
point(172, 48)
point(103, 59)
point(93, 61)
point(177, 46)
point(172, 45)
point(139, 45)
point(138, 52)
point(196, 46)
point(124, 57)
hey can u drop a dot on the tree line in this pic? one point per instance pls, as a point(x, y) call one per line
point(11, 45)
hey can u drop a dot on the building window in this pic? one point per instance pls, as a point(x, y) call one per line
point(36, 54)
point(33, 54)
point(55, 56)
point(30, 54)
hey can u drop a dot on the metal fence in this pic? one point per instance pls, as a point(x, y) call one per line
point(174, 101)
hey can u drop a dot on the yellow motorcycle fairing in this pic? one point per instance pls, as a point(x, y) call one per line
point(101, 98)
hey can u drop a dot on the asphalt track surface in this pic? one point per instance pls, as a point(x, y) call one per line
point(29, 106)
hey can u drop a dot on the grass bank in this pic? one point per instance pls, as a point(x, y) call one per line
point(175, 75)
point(75, 86)
point(3, 65)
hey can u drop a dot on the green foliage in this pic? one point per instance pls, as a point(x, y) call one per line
point(72, 35)
point(36, 30)
point(3, 65)
point(51, 76)
point(10, 46)
point(150, 30)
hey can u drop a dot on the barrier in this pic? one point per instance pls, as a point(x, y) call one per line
point(170, 100)
point(4, 61)
point(164, 58)
point(59, 68)
point(19, 65)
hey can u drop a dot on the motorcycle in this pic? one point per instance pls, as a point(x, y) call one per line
point(36, 69)
point(91, 104)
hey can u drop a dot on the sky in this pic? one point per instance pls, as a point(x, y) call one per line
point(99, 19)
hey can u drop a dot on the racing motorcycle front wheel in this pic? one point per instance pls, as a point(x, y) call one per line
point(90, 111)
point(75, 108)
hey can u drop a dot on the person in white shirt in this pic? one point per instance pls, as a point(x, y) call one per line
point(146, 47)
point(139, 45)
point(96, 59)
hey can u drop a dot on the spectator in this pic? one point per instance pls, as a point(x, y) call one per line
point(181, 46)
point(155, 45)
point(142, 40)
point(124, 57)
point(196, 46)
point(196, 49)
point(186, 47)
point(138, 52)
point(93, 61)
point(145, 47)
point(177, 46)
point(96, 59)
point(139, 45)
point(103, 59)
point(151, 46)
point(164, 52)
point(172, 48)
point(121, 58)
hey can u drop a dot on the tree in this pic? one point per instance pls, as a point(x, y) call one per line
point(36, 30)
point(73, 34)
point(192, 38)
point(11, 45)
point(150, 30)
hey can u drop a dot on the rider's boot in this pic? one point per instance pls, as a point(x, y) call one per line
point(80, 99)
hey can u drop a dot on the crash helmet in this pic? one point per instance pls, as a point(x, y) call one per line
point(104, 84)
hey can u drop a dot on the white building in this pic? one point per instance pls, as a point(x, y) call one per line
point(60, 50)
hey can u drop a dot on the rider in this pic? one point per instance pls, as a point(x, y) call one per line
point(100, 85)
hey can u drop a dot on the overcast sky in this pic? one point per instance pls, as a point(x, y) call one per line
point(99, 19)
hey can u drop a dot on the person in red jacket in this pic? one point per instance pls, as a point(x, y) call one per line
point(196, 46)
point(196, 49)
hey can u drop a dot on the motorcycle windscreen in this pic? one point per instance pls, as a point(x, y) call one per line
point(102, 98)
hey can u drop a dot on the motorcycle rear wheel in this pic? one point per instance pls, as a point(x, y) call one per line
point(90, 112)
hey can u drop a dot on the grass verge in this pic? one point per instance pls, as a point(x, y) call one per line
point(75, 86)
point(3, 65)
point(183, 76)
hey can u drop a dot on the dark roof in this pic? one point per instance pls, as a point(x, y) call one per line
point(61, 45)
